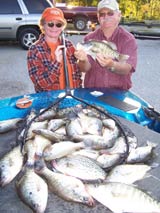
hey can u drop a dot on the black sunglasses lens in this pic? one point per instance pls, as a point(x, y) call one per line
point(50, 24)
point(58, 25)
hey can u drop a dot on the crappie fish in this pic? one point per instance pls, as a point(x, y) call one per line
point(33, 191)
point(41, 143)
point(30, 149)
point(61, 149)
point(8, 125)
point(47, 115)
point(107, 49)
point(36, 125)
point(52, 136)
point(140, 154)
point(123, 198)
point(10, 165)
point(119, 147)
point(109, 123)
point(80, 167)
point(128, 173)
point(90, 153)
point(74, 128)
point(55, 124)
point(67, 187)
point(90, 125)
point(108, 160)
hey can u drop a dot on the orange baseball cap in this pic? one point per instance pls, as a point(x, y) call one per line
point(53, 13)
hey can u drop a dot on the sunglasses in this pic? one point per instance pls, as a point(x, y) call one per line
point(52, 24)
point(103, 15)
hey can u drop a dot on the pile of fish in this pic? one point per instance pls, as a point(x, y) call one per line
point(80, 154)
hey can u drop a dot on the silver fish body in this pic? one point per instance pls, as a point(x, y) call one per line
point(47, 115)
point(8, 125)
point(67, 187)
point(128, 173)
point(10, 165)
point(41, 143)
point(55, 124)
point(33, 191)
point(121, 198)
point(80, 167)
point(52, 136)
point(139, 154)
point(108, 49)
point(61, 149)
point(108, 160)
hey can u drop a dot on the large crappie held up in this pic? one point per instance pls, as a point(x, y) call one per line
point(105, 48)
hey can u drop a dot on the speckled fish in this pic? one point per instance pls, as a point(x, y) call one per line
point(55, 124)
point(122, 198)
point(10, 165)
point(110, 135)
point(36, 125)
point(74, 128)
point(119, 147)
point(33, 191)
point(108, 49)
point(8, 125)
point(108, 160)
point(127, 173)
point(52, 136)
point(67, 187)
point(90, 153)
point(47, 115)
point(41, 143)
point(29, 150)
point(80, 167)
point(140, 154)
point(61, 149)
point(94, 141)
point(90, 125)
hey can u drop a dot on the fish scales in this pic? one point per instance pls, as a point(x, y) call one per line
point(10, 165)
point(81, 167)
point(108, 49)
point(67, 187)
point(121, 198)
point(33, 191)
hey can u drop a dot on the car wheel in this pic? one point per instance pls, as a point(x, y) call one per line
point(27, 37)
point(80, 23)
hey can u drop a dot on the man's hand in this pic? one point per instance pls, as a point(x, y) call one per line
point(80, 55)
point(104, 61)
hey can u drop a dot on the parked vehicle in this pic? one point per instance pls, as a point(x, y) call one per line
point(80, 16)
point(19, 20)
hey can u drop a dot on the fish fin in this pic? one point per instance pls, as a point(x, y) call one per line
point(123, 58)
point(79, 46)
point(152, 144)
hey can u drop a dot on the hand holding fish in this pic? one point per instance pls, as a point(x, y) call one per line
point(104, 61)
point(80, 54)
point(58, 53)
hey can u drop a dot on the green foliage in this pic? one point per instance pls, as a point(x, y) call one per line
point(131, 9)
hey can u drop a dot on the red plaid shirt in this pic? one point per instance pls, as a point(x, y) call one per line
point(44, 71)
